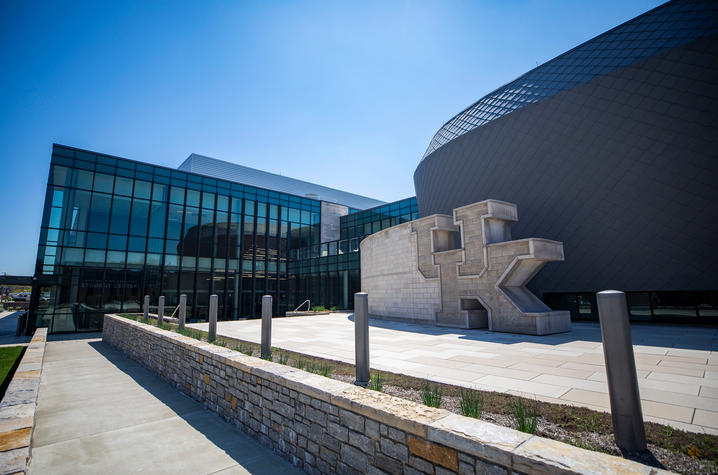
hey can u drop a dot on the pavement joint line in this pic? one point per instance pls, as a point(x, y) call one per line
point(223, 469)
point(109, 431)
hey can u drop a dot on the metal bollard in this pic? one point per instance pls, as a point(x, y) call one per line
point(361, 338)
point(212, 317)
point(625, 400)
point(182, 311)
point(161, 311)
point(147, 307)
point(266, 326)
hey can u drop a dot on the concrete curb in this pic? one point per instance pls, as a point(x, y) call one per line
point(17, 409)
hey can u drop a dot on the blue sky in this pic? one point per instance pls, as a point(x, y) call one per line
point(344, 94)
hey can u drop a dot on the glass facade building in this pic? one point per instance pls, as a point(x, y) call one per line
point(114, 230)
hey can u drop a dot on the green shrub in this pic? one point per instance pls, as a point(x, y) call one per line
point(334, 308)
point(267, 357)
point(431, 396)
point(376, 382)
point(283, 357)
point(471, 403)
point(525, 416)
point(319, 308)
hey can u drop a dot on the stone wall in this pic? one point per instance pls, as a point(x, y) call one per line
point(17, 409)
point(327, 426)
point(391, 277)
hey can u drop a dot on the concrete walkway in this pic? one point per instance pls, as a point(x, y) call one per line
point(100, 412)
point(677, 365)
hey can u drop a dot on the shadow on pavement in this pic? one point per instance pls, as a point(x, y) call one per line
point(220, 432)
point(672, 336)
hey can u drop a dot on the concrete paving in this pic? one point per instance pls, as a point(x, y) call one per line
point(677, 364)
point(100, 412)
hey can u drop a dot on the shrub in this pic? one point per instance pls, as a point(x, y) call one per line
point(283, 357)
point(431, 396)
point(334, 308)
point(267, 357)
point(376, 382)
point(525, 416)
point(319, 308)
point(471, 403)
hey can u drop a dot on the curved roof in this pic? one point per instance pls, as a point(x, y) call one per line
point(667, 26)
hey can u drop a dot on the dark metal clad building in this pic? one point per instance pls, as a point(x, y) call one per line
point(611, 148)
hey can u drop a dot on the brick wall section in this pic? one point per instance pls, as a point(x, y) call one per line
point(17, 409)
point(327, 426)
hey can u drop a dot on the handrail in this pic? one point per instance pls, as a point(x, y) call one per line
point(301, 304)
point(175, 311)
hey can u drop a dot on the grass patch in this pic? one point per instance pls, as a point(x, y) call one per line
point(431, 395)
point(471, 403)
point(190, 332)
point(9, 361)
point(525, 416)
point(320, 367)
point(247, 349)
point(376, 382)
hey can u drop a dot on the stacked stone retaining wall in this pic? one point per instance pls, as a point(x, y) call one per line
point(17, 409)
point(326, 426)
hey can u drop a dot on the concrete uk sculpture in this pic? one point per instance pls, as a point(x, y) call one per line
point(462, 271)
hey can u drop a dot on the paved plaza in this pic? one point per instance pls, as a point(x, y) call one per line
point(100, 412)
point(677, 365)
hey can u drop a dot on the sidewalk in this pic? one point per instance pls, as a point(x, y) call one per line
point(677, 365)
point(100, 412)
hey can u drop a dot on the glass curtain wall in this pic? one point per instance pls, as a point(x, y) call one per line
point(114, 230)
point(372, 220)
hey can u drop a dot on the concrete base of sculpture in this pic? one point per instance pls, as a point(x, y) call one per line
point(462, 271)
